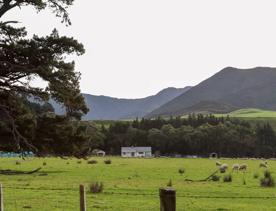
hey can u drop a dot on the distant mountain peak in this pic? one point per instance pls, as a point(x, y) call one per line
point(230, 88)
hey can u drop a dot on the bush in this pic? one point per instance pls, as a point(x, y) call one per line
point(169, 184)
point(181, 171)
point(215, 178)
point(17, 162)
point(227, 178)
point(267, 180)
point(44, 164)
point(92, 162)
point(107, 161)
point(96, 187)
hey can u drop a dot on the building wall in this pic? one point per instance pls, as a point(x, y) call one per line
point(136, 154)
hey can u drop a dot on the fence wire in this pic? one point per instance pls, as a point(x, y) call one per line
point(139, 193)
point(64, 199)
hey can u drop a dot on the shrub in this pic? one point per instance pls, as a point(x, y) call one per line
point(227, 178)
point(267, 180)
point(215, 178)
point(44, 164)
point(107, 161)
point(92, 162)
point(96, 187)
point(169, 184)
point(17, 162)
point(181, 171)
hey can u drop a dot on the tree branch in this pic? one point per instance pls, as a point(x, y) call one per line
point(18, 138)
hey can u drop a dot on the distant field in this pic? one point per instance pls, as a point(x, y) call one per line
point(254, 116)
point(251, 113)
point(132, 184)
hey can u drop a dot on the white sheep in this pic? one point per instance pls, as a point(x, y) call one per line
point(236, 167)
point(263, 165)
point(243, 167)
point(223, 167)
point(218, 163)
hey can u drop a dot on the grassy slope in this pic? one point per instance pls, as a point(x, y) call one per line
point(133, 176)
point(251, 113)
point(254, 116)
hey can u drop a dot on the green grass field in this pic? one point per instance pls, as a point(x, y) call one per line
point(251, 113)
point(254, 116)
point(132, 184)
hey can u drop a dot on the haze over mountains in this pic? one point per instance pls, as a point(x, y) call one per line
point(228, 90)
point(109, 108)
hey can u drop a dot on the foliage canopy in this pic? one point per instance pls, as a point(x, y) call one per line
point(24, 59)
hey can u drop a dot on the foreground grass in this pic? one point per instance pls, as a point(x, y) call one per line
point(132, 184)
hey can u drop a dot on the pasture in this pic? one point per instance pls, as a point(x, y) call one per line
point(254, 116)
point(252, 113)
point(132, 184)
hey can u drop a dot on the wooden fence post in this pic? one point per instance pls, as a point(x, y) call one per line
point(1, 198)
point(167, 199)
point(82, 198)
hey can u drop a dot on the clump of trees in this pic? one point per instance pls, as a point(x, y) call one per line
point(195, 135)
point(26, 123)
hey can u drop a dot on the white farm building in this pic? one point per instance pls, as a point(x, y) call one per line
point(136, 152)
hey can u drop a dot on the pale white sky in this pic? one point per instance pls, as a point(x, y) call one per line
point(134, 48)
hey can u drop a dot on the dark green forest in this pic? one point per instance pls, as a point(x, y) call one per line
point(196, 135)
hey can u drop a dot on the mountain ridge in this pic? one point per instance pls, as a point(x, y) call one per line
point(111, 108)
point(240, 88)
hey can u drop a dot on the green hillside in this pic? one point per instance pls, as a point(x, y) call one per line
point(251, 113)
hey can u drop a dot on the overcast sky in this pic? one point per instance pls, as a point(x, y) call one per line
point(135, 48)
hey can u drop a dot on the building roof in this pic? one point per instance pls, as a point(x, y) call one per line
point(136, 149)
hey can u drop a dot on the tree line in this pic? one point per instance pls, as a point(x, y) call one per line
point(195, 135)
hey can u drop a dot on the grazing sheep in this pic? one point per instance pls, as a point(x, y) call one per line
point(263, 165)
point(218, 163)
point(223, 167)
point(243, 167)
point(236, 167)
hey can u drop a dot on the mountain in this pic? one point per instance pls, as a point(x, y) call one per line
point(228, 90)
point(109, 108)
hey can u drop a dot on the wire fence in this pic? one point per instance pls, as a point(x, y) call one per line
point(137, 193)
point(66, 199)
